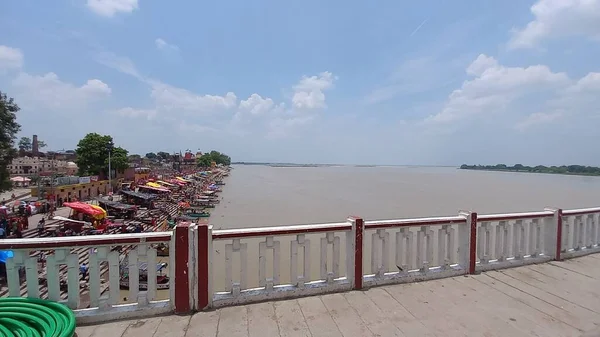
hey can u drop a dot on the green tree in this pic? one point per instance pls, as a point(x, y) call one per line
point(151, 155)
point(8, 131)
point(42, 144)
point(92, 155)
point(163, 155)
point(25, 144)
point(134, 157)
point(219, 158)
point(204, 160)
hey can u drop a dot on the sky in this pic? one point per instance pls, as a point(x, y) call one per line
point(348, 82)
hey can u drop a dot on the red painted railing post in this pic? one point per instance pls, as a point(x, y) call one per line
point(358, 229)
point(473, 243)
point(204, 248)
point(468, 242)
point(181, 238)
point(553, 238)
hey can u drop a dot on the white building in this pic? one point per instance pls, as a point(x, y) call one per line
point(30, 166)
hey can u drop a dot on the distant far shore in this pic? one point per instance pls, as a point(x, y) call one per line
point(578, 170)
point(328, 165)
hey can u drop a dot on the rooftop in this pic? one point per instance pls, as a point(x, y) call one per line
point(551, 299)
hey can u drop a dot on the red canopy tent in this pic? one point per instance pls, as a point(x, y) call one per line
point(84, 208)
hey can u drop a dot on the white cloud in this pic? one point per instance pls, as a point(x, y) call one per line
point(164, 46)
point(109, 8)
point(50, 93)
point(309, 92)
point(136, 113)
point(536, 119)
point(517, 97)
point(559, 19)
point(416, 76)
point(256, 105)
point(496, 87)
point(224, 111)
point(10, 58)
point(169, 99)
point(122, 64)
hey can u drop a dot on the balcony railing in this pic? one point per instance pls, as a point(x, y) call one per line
point(49, 268)
point(214, 268)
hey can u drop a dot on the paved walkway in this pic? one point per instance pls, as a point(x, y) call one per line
point(557, 299)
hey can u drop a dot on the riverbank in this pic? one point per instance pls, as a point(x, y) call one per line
point(523, 171)
point(573, 170)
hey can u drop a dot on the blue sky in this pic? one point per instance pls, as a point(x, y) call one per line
point(352, 82)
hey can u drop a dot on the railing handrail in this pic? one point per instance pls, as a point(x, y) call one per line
point(581, 211)
point(514, 216)
point(85, 241)
point(446, 220)
point(279, 230)
point(375, 224)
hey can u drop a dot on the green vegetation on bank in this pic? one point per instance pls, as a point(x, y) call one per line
point(565, 169)
point(219, 158)
point(92, 155)
point(8, 134)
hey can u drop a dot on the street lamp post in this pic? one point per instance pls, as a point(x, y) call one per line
point(110, 148)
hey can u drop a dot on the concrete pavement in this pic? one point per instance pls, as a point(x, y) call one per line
point(557, 299)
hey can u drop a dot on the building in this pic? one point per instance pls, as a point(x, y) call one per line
point(86, 188)
point(32, 166)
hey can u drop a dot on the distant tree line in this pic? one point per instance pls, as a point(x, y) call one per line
point(206, 159)
point(164, 156)
point(565, 169)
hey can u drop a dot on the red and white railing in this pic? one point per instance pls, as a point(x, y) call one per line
point(579, 232)
point(63, 257)
point(214, 268)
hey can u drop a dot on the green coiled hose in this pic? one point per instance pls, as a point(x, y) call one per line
point(33, 317)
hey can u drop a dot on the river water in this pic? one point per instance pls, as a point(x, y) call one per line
point(269, 196)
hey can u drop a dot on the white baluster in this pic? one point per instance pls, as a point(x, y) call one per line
point(300, 280)
point(578, 234)
point(380, 252)
point(501, 251)
point(566, 233)
point(264, 281)
point(98, 255)
point(451, 245)
point(595, 218)
point(241, 248)
point(589, 226)
point(535, 238)
point(133, 268)
point(484, 238)
point(404, 249)
point(422, 250)
point(73, 280)
point(518, 239)
point(13, 265)
point(32, 277)
point(429, 247)
point(480, 243)
point(443, 247)
point(53, 263)
point(94, 269)
point(330, 238)
point(152, 272)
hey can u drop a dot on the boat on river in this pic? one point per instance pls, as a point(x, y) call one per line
point(196, 212)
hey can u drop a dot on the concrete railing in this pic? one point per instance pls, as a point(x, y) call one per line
point(214, 268)
point(50, 268)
